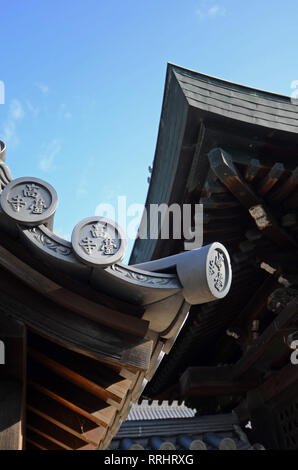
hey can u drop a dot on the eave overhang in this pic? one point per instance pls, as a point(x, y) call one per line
point(97, 330)
point(199, 113)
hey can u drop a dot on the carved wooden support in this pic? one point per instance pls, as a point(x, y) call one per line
point(240, 377)
point(222, 164)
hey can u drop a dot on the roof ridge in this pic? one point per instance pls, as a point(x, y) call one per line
point(175, 67)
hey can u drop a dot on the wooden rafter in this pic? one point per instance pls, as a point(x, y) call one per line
point(222, 165)
point(237, 378)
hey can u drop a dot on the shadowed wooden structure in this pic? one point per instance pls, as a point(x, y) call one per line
point(233, 149)
point(81, 333)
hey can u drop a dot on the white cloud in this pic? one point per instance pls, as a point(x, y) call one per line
point(9, 131)
point(33, 109)
point(63, 112)
point(47, 157)
point(212, 12)
point(15, 113)
point(42, 87)
point(16, 110)
point(216, 10)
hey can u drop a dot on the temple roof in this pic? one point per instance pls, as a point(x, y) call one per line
point(156, 410)
point(200, 112)
point(91, 331)
point(223, 98)
point(233, 150)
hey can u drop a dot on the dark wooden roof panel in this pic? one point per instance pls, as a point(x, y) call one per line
point(243, 103)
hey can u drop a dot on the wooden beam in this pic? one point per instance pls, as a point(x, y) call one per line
point(40, 442)
point(74, 438)
point(222, 165)
point(282, 321)
point(105, 377)
point(252, 170)
point(64, 417)
point(214, 188)
point(12, 384)
point(97, 414)
point(69, 329)
point(239, 377)
point(67, 280)
point(99, 313)
point(55, 434)
point(13, 334)
point(270, 179)
point(279, 381)
point(254, 308)
point(210, 203)
point(11, 415)
point(285, 189)
point(77, 379)
point(213, 381)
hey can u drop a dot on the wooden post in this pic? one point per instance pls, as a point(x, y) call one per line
point(12, 384)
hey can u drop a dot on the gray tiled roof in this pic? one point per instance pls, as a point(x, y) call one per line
point(182, 433)
point(146, 411)
point(237, 101)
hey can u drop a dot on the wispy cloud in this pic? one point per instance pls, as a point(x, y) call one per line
point(82, 188)
point(205, 12)
point(216, 10)
point(33, 109)
point(63, 113)
point(16, 110)
point(8, 131)
point(43, 87)
point(15, 114)
point(48, 154)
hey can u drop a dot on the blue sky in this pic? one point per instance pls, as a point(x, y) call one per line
point(84, 83)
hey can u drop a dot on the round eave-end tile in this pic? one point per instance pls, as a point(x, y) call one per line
point(218, 270)
point(98, 241)
point(2, 151)
point(30, 201)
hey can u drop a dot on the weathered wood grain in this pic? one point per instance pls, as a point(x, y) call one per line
point(11, 415)
point(84, 307)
